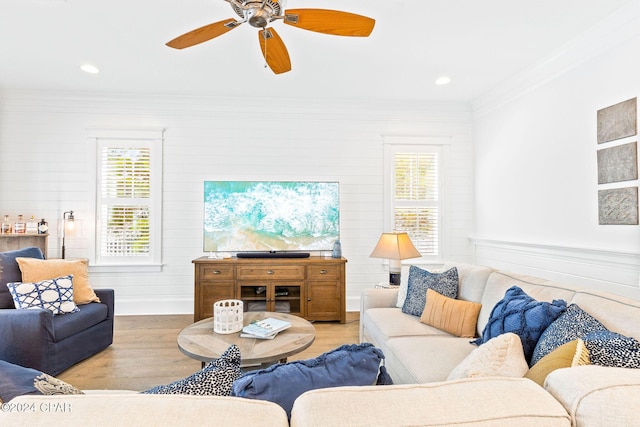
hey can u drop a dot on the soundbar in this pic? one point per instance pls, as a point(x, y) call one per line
point(273, 254)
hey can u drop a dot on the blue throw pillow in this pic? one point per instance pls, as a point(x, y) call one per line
point(17, 380)
point(215, 379)
point(608, 348)
point(10, 271)
point(572, 324)
point(347, 365)
point(420, 280)
point(521, 314)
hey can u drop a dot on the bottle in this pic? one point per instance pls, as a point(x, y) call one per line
point(6, 225)
point(32, 226)
point(337, 250)
point(43, 227)
point(19, 227)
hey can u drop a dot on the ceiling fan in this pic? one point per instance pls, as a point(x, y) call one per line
point(259, 13)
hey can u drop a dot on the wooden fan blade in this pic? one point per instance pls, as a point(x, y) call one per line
point(330, 22)
point(274, 51)
point(203, 34)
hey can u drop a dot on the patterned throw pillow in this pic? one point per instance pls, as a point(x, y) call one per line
point(420, 280)
point(17, 380)
point(608, 348)
point(572, 324)
point(215, 379)
point(521, 314)
point(53, 294)
point(34, 270)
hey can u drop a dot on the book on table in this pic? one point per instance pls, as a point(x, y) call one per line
point(265, 328)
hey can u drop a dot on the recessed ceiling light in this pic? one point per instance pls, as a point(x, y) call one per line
point(443, 80)
point(88, 68)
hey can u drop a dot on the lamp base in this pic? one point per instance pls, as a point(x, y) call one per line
point(394, 279)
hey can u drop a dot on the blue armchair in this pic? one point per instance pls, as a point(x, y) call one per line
point(35, 338)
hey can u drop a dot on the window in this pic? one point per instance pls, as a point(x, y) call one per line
point(128, 191)
point(414, 195)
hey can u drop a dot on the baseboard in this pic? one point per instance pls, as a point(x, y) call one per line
point(148, 306)
point(612, 271)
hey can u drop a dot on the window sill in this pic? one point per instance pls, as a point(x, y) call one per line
point(125, 268)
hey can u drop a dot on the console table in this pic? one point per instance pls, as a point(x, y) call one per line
point(312, 288)
point(11, 242)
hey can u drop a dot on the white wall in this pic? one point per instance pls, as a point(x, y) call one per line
point(536, 169)
point(45, 169)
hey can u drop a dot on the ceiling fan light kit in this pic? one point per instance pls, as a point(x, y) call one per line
point(259, 13)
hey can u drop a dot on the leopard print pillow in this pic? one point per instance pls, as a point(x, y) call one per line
point(215, 379)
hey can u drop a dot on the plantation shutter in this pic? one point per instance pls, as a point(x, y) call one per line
point(126, 199)
point(416, 198)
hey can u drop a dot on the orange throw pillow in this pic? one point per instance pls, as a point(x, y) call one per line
point(457, 317)
point(35, 270)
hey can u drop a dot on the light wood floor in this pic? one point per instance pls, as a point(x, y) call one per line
point(145, 353)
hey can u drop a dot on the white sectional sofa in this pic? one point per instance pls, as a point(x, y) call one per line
point(419, 358)
point(420, 354)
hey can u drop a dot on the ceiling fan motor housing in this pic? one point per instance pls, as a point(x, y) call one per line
point(258, 13)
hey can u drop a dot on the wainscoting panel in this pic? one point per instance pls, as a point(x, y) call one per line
point(616, 272)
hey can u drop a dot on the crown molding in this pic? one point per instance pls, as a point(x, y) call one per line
point(602, 37)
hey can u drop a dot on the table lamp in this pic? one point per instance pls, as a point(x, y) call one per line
point(395, 247)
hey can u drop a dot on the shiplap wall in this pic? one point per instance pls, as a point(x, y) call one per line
point(45, 169)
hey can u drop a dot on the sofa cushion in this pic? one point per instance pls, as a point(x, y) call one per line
point(501, 356)
point(215, 379)
point(614, 350)
point(471, 281)
point(573, 323)
point(540, 289)
point(420, 280)
point(568, 355)
point(596, 395)
point(615, 312)
point(142, 410)
point(283, 383)
point(384, 323)
point(34, 270)
point(55, 295)
point(423, 359)
point(87, 316)
point(519, 313)
point(456, 317)
point(10, 271)
point(494, 402)
point(17, 380)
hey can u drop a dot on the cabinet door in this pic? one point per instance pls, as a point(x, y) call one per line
point(324, 300)
point(288, 297)
point(209, 293)
point(254, 295)
point(212, 283)
point(325, 291)
point(278, 296)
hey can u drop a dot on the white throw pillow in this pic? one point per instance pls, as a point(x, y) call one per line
point(404, 285)
point(502, 356)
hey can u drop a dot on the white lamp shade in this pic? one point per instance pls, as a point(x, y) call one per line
point(395, 246)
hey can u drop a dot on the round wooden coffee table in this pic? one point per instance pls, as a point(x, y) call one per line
point(200, 342)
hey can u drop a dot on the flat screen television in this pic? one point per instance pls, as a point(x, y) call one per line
point(273, 216)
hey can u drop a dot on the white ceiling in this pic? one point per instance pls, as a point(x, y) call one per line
point(478, 43)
